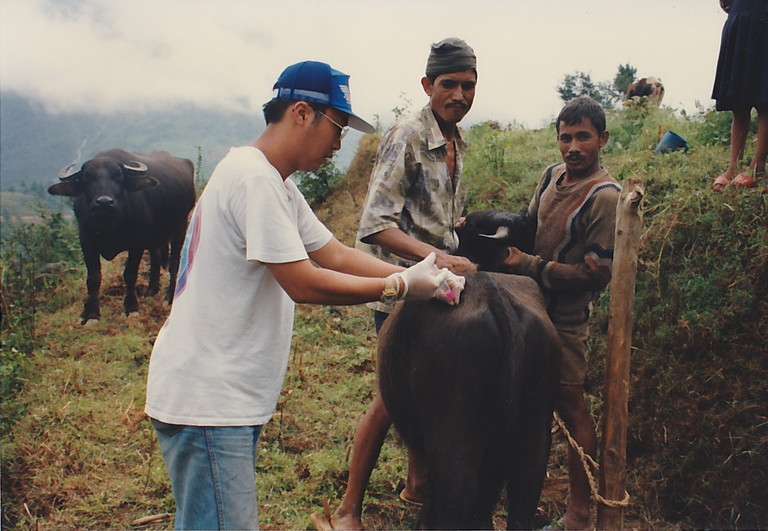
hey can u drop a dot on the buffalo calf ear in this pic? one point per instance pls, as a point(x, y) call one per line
point(66, 188)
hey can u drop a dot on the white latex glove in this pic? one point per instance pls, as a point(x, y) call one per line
point(425, 281)
point(451, 286)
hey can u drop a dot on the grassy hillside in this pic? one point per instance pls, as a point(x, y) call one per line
point(699, 404)
point(79, 453)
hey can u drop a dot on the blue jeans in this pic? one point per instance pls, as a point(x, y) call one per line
point(213, 474)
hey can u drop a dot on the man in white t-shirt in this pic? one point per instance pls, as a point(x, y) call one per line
point(219, 360)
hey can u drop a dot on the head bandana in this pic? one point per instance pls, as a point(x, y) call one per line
point(450, 55)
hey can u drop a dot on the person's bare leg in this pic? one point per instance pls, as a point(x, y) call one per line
point(573, 410)
point(739, 130)
point(757, 167)
point(369, 438)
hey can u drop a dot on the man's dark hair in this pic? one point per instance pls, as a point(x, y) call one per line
point(275, 108)
point(578, 109)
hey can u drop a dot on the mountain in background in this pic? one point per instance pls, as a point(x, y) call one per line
point(35, 144)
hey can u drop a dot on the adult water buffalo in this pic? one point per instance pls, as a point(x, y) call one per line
point(128, 201)
point(471, 389)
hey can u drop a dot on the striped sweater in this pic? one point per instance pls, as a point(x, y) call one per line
point(573, 251)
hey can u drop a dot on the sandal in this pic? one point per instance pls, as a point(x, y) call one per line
point(721, 182)
point(744, 180)
point(321, 522)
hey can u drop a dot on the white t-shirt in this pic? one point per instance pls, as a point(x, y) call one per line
point(221, 356)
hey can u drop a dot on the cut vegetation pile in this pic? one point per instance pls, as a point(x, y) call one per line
point(79, 453)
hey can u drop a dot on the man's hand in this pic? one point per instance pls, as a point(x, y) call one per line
point(512, 262)
point(425, 281)
point(456, 264)
point(397, 242)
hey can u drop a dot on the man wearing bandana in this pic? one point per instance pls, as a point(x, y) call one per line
point(415, 198)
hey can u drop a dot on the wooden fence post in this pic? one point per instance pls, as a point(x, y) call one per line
point(629, 220)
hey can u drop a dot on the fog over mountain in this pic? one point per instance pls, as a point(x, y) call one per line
point(35, 144)
point(106, 55)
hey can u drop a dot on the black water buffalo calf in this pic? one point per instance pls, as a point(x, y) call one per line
point(128, 201)
point(471, 390)
point(485, 235)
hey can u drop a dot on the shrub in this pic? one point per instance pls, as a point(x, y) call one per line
point(715, 128)
point(316, 186)
point(34, 259)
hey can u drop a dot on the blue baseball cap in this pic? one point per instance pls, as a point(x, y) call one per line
point(316, 82)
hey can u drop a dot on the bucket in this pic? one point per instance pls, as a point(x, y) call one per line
point(671, 142)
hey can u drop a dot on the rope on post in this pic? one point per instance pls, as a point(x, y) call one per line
point(590, 464)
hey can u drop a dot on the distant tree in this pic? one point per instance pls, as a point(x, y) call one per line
point(609, 97)
point(624, 76)
point(606, 93)
point(575, 85)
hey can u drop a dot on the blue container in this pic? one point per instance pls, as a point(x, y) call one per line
point(671, 142)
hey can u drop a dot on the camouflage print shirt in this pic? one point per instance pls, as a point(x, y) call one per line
point(410, 188)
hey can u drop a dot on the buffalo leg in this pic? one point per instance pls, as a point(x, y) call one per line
point(130, 275)
point(155, 259)
point(462, 450)
point(91, 309)
point(526, 465)
point(526, 471)
point(463, 492)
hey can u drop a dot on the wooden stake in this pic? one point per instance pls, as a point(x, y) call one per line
point(629, 218)
point(151, 519)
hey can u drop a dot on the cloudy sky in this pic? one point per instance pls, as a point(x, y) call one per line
point(102, 55)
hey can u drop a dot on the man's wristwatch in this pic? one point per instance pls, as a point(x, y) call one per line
point(389, 295)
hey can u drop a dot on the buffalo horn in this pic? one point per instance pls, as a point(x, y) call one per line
point(501, 233)
point(135, 166)
point(66, 173)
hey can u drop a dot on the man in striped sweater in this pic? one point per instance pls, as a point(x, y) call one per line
point(575, 210)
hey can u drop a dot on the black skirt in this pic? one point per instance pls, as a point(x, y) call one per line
point(742, 66)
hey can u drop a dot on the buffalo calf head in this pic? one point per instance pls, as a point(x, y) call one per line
point(484, 237)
